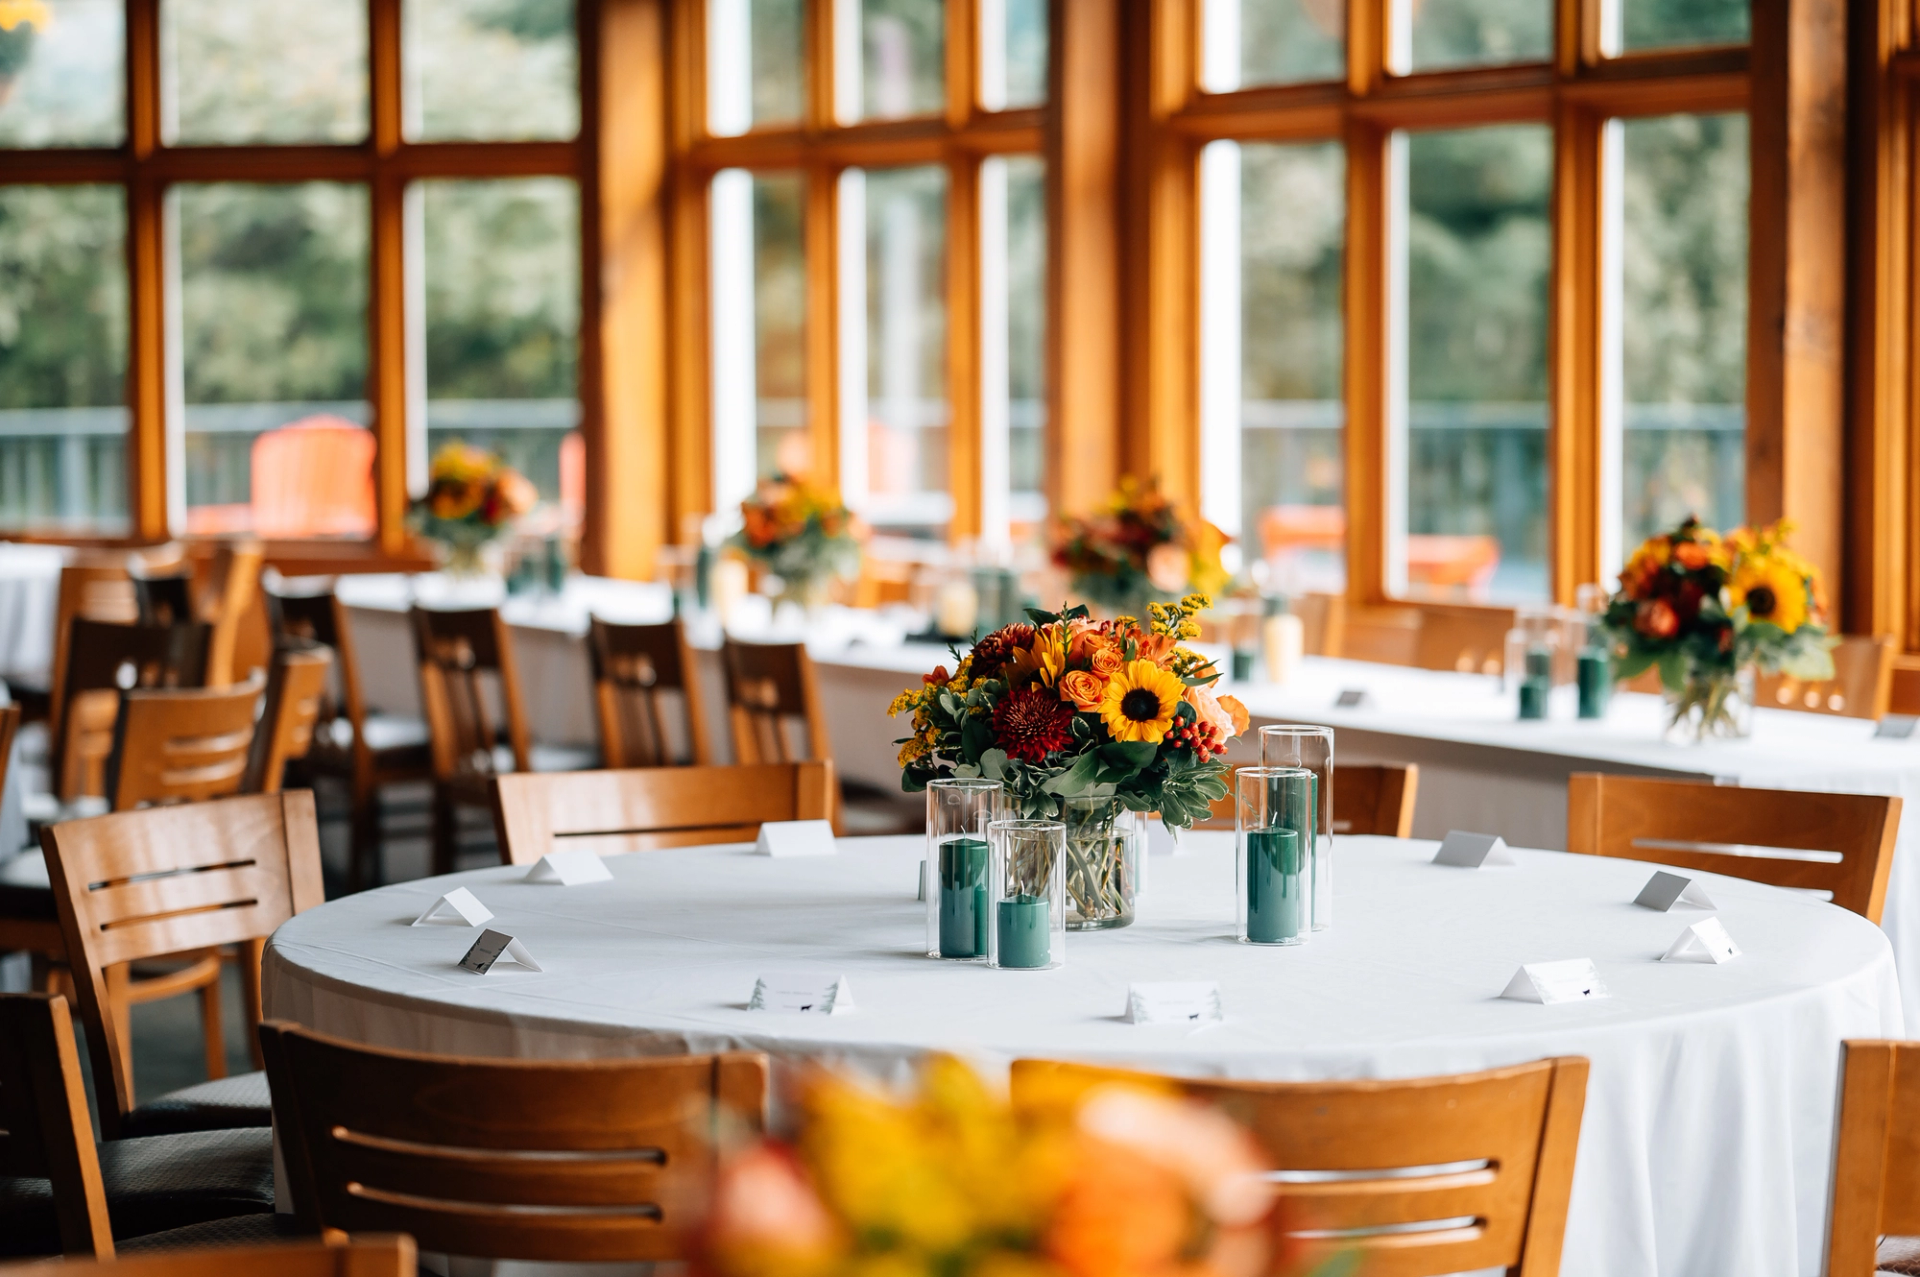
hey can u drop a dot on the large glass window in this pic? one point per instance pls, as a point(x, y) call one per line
point(490, 70)
point(1013, 343)
point(1474, 250)
point(1273, 416)
point(1255, 42)
point(501, 312)
point(1653, 24)
point(756, 64)
point(759, 307)
point(1445, 34)
point(1013, 53)
point(893, 390)
point(63, 358)
point(900, 67)
point(273, 329)
point(263, 71)
point(1682, 209)
point(62, 73)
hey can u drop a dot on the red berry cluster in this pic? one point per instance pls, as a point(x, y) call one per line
point(1202, 738)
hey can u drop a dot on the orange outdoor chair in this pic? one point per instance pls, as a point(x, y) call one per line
point(314, 478)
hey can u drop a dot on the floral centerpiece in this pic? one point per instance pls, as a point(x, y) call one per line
point(1707, 611)
point(472, 497)
point(1138, 549)
point(1081, 720)
point(800, 532)
point(1076, 1179)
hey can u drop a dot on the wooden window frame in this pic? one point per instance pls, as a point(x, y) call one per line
point(820, 148)
point(1788, 79)
point(145, 166)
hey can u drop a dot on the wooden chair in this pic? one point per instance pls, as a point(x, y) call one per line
point(93, 586)
point(1876, 1161)
point(456, 651)
point(617, 1155)
point(228, 592)
point(182, 745)
point(296, 685)
point(1323, 617)
point(1743, 833)
point(632, 666)
point(1384, 635)
point(101, 660)
point(222, 872)
point(769, 684)
point(649, 807)
point(1861, 686)
point(1472, 640)
point(1367, 799)
point(59, 1191)
point(366, 749)
point(326, 1257)
point(1396, 1150)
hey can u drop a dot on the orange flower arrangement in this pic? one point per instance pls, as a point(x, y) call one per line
point(799, 531)
point(472, 496)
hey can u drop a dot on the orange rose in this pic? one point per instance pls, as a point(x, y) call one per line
point(1691, 555)
point(1237, 712)
point(1107, 660)
point(1084, 688)
point(1656, 619)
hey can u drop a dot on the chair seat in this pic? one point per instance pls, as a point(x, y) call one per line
point(398, 742)
point(1899, 1255)
point(563, 758)
point(27, 871)
point(235, 1230)
point(242, 1100)
point(151, 1185)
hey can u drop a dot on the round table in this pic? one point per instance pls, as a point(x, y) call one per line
point(1707, 1136)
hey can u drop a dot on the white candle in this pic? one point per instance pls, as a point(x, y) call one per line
point(956, 608)
point(730, 582)
point(1282, 639)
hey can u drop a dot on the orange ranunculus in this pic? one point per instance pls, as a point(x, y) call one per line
point(1084, 688)
point(1656, 619)
point(1236, 711)
point(1691, 555)
point(516, 492)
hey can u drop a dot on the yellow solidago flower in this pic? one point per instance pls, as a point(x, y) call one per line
point(1141, 701)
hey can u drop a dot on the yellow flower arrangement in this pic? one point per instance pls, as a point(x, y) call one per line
point(472, 496)
point(1140, 547)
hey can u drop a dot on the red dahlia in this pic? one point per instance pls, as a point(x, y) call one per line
point(997, 648)
point(1032, 722)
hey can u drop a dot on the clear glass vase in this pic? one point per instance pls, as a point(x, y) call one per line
point(1104, 844)
point(1711, 704)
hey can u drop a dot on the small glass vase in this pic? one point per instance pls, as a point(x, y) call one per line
point(958, 813)
point(1026, 896)
point(1308, 746)
point(1712, 704)
point(1104, 844)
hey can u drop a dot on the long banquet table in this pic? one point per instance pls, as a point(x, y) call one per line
point(1706, 1139)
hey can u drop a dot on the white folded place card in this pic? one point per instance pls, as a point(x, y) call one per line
point(1896, 727)
point(1664, 890)
point(458, 908)
point(1705, 941)
point(1572, 980)
point(796, 838)
point(1173, 1002)
point(490, 947)
point(1464, 850)
point(570, 868)
point(923, 881)
point(808, 992)
point(1351, 698)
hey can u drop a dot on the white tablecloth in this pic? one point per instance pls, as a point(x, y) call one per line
point(29, 595)
point(1709, 1114)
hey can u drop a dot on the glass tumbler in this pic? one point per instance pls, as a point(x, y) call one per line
point(1274, 821)
point(1027, 894)
point(1304, 745)
point(958, 813)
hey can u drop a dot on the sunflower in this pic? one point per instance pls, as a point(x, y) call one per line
point(1140, 702)
point(1771, 590)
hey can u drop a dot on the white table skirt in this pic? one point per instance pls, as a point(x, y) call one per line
point(1709, 1115)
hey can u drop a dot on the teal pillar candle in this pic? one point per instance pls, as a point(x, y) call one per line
point(1277, 907)
point(1540, 663)
point(1596, 683)
point(1533, 698)
point(1025, 931)
point(963, 898)
point(1243, 665)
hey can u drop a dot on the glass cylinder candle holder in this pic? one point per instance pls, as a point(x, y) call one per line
point(958, 813)
point(1027, 894)
point(1306, 746)
point(1274, 822)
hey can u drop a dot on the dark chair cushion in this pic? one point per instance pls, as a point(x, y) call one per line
point(235, 1230)
point(35, 903)
point(152, 1184)
point(1899, 1255)
point(238, 1101)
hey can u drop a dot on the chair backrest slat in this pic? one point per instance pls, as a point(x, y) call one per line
point(182, 745)
point(1424, 1176)
point(642, 808)
point(1837, 843)
point(45, 1132)
point(210, 873)
point(97, 656)
point(632, 666)
point(1861, 686)
point(1876, 1154)
point(296, 691)
point(617, 1155)
point(454, 650)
